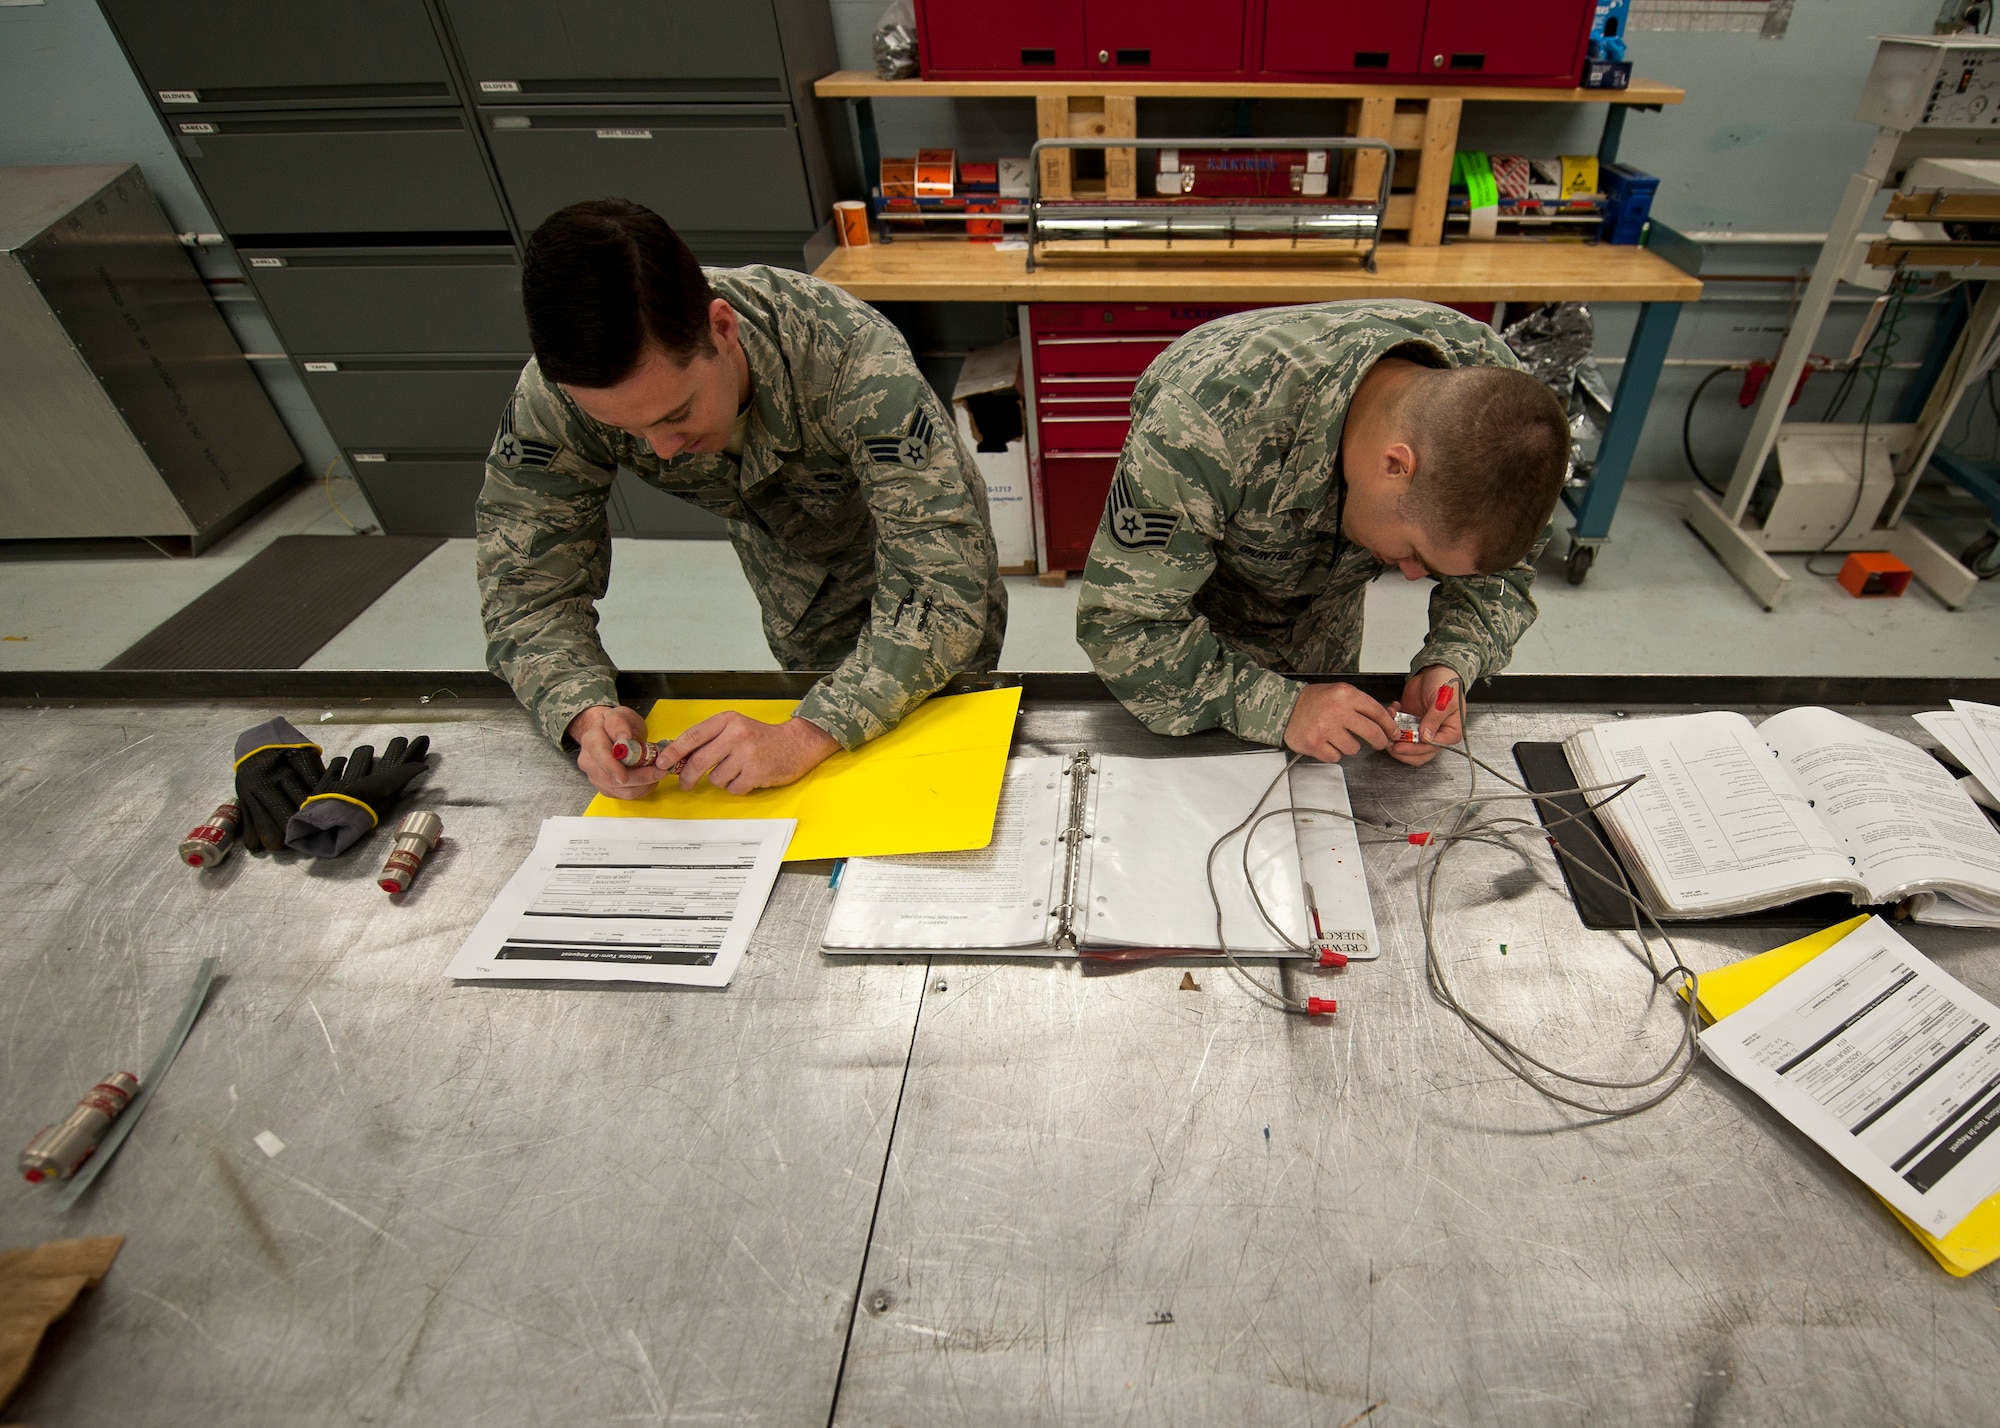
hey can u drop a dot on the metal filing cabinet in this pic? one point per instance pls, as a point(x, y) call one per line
point(346, 172)
point(645, 99)
point(378, 162)
point(727, 177)
point(351, 301)
point(235, 54)
point(126, 406)
point(582, 50)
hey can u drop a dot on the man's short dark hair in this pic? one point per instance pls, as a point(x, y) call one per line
point(600, 281)
point(1492, 447)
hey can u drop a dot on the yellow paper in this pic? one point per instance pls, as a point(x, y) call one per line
point(930, 785)
point(1974, 1242)
point(1579, 175)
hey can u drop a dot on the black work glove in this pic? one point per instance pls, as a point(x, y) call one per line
point(353, 796)
point(276, 768)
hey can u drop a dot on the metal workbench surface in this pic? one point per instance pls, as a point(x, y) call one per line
point(871, 1193)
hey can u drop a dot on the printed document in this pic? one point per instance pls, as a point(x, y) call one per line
point(630, 900)
point(1891, 1065)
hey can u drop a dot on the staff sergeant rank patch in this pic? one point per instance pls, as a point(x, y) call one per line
point(1133, 527)
point(913, 450)
point(513, 450)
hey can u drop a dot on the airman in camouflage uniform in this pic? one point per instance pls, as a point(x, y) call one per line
point(1220, 566)
point(860, 519)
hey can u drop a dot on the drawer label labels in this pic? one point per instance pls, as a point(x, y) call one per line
point(267, 262)
point(370, 456)
point(499, 86)
point(179, 96)
point(321, 366)
point(198, 129)
point(624, 133)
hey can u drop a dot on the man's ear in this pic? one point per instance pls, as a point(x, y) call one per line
point(1399, 463)
point(722, 322)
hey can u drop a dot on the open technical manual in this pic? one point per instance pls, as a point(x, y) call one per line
point(629, 900)
point(1890, 1064)
point(1970, 733)
point(1732, 818)
point(1100, 853)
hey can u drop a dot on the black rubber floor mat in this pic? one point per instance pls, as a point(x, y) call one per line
point(1545, 768)
point(288, 600)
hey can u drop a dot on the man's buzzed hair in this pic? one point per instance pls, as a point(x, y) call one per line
point(602, 279)
point(1492, 447)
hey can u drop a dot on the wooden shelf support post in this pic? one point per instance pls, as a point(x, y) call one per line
point(1088, 116)
point(1434, 172)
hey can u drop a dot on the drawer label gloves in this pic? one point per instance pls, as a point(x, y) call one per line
point(277, 769)
point(353, 795)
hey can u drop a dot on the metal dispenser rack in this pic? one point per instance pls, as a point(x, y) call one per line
point(1930, 96)
point(1179, 230)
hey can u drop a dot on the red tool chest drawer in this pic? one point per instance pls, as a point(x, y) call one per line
point(1018, 39)
point(1527, 42)
point(1361, 40)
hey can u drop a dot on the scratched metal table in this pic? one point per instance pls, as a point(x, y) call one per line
point(865, 1192)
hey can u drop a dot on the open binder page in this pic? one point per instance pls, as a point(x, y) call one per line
point(1888, 1063)
point(996, 898)
point(1717, 824)
point(1903, 819)
point(1336, 885)
point(1951, 730)
point(1982, 726)
point(1149, 838)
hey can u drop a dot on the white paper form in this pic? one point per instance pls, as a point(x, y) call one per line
point(1981, 723)
point(1959, 740)
point(1715, 814)
point(1150, 834)
point(994, 898)
point(1892, 1066)
point(1336, 884)
point(1901, 816)
point(630, 900)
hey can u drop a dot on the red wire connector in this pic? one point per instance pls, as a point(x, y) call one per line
point(1321, 1006)
point(1330, 958)
point(1422, 840)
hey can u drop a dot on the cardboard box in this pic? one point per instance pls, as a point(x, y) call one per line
point(987, 404)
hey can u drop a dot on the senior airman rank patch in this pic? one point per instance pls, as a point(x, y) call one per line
point(1133, 527)
point(912, 450)
point(514, 450)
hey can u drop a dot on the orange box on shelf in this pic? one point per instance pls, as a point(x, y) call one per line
point(937, 173)
point(1874, 574)
point(899, 177)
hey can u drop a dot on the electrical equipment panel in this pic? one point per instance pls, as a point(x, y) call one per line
point(1933, 82)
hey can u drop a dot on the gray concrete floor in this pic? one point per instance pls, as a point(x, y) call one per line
point(1657, 602)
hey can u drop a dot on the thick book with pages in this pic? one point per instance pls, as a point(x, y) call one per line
point(1101, 855)
point(1731, 817)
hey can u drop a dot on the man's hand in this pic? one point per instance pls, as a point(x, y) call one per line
point(1335, 719)
point(594, 732)
point(1439, 726)
point(738, 753)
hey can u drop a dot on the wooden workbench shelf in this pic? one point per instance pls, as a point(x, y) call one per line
point(1418, 119)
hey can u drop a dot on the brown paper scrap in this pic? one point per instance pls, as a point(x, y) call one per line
point(37, 1287)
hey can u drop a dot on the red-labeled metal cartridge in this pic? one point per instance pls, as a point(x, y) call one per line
point(209, 842)
point(633, 753)
point(416, 835)
point(61, 1148)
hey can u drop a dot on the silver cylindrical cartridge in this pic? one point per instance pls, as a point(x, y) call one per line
point(208, 843)
point(416, 835)
point(633, 753)
point(61, 1148)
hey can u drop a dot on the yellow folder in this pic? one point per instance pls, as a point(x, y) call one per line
point(930, 785)
point(1975, 1242)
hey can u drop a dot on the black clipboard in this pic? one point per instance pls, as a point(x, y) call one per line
point(1545, 768)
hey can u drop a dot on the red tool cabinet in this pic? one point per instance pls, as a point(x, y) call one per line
point(1498, 42)
point(1086, 358)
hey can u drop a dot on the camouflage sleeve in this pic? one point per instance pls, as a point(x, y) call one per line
point(544, 556)
point(1475, 619)
point(1135, 617)
point(934, 555)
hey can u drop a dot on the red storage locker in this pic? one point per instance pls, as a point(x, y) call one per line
point(1358, 40)
point(1526, 42)
point(1018, 39)
point(1146, 37)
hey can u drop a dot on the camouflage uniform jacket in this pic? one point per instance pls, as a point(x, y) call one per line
point(853, 490)
point(1220, 564)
